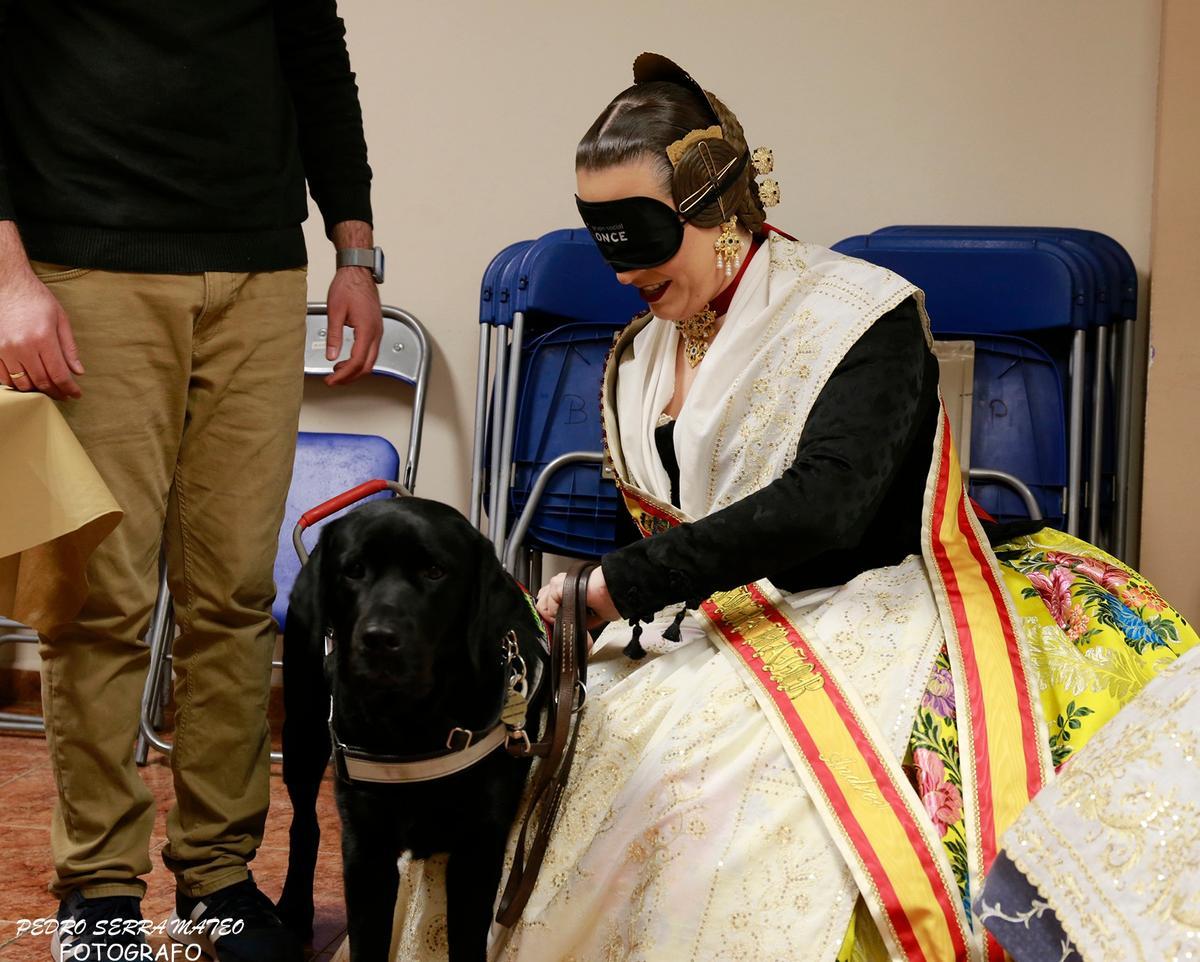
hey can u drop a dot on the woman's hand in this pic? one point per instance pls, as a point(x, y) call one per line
point(599, 601)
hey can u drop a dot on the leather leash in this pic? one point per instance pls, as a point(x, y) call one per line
point(568, 672)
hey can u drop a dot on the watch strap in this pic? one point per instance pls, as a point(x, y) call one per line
point(356, 257)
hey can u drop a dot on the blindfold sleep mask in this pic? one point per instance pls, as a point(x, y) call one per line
point(635, 233)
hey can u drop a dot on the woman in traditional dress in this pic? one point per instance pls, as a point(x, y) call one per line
point(823, 696)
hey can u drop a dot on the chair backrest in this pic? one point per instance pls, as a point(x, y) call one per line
point(493, 291)
point(489, 287)
point(507, 280)
point(571, 305)
point(1118, 263)
point(997, 286)
point(403, 354)
point(563, 278)
point(557, 280)
point(327, 464)
point(559, 412)
point(1100, 259)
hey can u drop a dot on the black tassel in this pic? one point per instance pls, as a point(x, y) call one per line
point(672, 632)
point(634, 649)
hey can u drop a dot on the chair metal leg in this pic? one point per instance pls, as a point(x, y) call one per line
point(1095, 468)
point(535, 570)
point(478, 444)
point(162, 628)
point(499, 377)
point(1124, 436)
point(1075, 434)
point(510, 421)
point(12, 722)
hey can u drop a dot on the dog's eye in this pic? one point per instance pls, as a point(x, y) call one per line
point(354, 570)
point(433, 572)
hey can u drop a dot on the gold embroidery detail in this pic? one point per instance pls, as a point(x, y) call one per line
point(770, 642)
point(865, 785)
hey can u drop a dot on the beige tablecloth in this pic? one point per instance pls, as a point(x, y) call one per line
point(54, 511)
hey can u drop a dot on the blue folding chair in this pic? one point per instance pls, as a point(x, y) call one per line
point(560, 279)
point(558, 414)
point(1002, 286)
point(1108, 373)
point(325, 465)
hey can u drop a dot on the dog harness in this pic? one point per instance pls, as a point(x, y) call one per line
point(464, 747)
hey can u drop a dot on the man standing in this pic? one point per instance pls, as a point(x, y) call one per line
point(153, 160)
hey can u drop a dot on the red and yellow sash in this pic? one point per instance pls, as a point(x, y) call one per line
point(868, 805)
point(1004, 755)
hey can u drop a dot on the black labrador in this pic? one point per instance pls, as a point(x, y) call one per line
point(417, 608)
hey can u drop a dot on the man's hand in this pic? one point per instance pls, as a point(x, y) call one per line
point(353, 301)
point(37, 348)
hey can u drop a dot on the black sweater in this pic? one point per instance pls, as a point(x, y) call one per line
point(849, 502)
point(175, 136)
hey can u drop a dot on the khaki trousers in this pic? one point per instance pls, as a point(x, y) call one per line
point(189, 410)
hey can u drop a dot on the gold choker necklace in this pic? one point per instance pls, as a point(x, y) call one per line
point(696, 332)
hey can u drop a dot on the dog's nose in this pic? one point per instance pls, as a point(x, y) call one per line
point(377, 637)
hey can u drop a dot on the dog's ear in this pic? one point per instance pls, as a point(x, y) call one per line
point(498, 604)
point(325, 563)
point(306, 604)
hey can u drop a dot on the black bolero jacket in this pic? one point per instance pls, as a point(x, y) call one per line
point(850, 501)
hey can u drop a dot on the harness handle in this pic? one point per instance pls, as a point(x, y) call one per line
point(336, 503)
point(568, 671)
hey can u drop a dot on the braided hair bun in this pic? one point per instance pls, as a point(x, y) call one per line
point(704, 159)
point(664, 106)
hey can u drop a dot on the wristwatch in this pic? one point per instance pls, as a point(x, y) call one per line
point(369, 257)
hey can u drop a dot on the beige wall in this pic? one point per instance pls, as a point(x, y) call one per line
point(1170, 519)
point(922, 110)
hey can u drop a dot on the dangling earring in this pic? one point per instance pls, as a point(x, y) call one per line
point(729, 248)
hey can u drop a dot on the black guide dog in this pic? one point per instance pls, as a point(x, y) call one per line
point(418, 608)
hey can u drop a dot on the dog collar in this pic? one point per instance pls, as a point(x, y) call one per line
point(464, 747)
point(356, 766)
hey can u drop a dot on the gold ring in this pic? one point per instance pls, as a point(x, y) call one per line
point(19, 374)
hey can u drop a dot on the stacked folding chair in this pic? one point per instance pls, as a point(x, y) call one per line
point(1041, 304)
point(549, 310)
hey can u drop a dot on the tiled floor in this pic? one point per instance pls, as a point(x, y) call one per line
point(27, 799)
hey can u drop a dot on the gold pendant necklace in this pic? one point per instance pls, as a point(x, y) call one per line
point(696, 332)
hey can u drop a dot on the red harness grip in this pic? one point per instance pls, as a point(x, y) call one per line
point(343, 500)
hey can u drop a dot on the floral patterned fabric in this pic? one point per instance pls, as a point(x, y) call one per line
point(1097, 633)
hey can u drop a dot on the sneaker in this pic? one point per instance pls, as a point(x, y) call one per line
point(234, 924)
point(90, 928)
